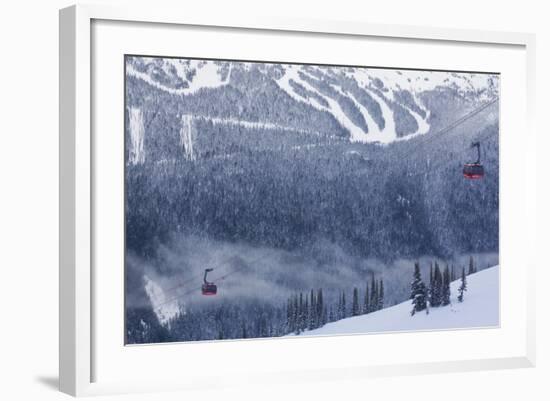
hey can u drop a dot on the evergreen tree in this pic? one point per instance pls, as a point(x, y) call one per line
point(355, 303)
point(244, 333)
point(312, 318)
point(289, 313)
point(381, 295)
point(418, 291)
point(471, 266)
point(297, 313)
point(321, 318)
point(373, 295)
point(436, 287)
point(446, 291)
point(376, 292)
point(344, 312)
point(463, 286)
point(305, 315)
point(339, 312)
point(431, 276)
point(366, 305)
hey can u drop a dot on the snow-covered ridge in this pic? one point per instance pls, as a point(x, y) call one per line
point(374, 132)
point(291, 73)
point(417, 81)
point(208, 75)
point(303, 84)
point(479, 309)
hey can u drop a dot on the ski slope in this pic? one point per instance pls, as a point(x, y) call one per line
point(479, 309)
point(381, 85)
point(163, 309)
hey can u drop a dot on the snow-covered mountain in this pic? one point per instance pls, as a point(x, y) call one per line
point(368, 104)
point(479, 309)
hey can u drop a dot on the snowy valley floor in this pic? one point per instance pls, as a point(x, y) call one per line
point(479, 309)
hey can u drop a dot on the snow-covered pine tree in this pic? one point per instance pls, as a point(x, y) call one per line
point(296, 314)
point(471, 266)
point(463, 286)
point(271, 330)
point(446, 289)
point(431, 276)
point(312, 316)
point(355, 302)
point(305, 315)
point(331, 314)
point(289, 315)
point(436, 289)
point(376, 292)
point(344, 311)
point(320, 312)
point(373, 294)
point(418, 291)
point(339, 312)
point(292, 316)
point(366, 305)
point(264, 327)
point(299, 313)
point(380, 295)
point(244, 333)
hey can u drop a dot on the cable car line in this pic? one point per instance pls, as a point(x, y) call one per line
point(196, 276)
point(197, 288)
point(220, 278)
point(443, 162)
point(407, 151)
point(183, 284)
point(470, 170)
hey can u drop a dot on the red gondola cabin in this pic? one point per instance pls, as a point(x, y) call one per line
point(208, 288)
point(473, 171)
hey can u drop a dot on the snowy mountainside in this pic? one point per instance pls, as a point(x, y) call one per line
point(479, 309)
point(365, 104)
point(160, 302)
point(278, 141)
point(178, 76)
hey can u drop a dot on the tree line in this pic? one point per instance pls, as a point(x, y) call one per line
point(305, 312)
point(438, 292)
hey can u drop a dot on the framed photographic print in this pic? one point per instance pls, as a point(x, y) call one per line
point(284, 200)
point(303, 192)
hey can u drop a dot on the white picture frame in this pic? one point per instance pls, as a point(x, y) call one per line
point(78, 162)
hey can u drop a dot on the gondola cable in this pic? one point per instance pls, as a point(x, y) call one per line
point(199, 288)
